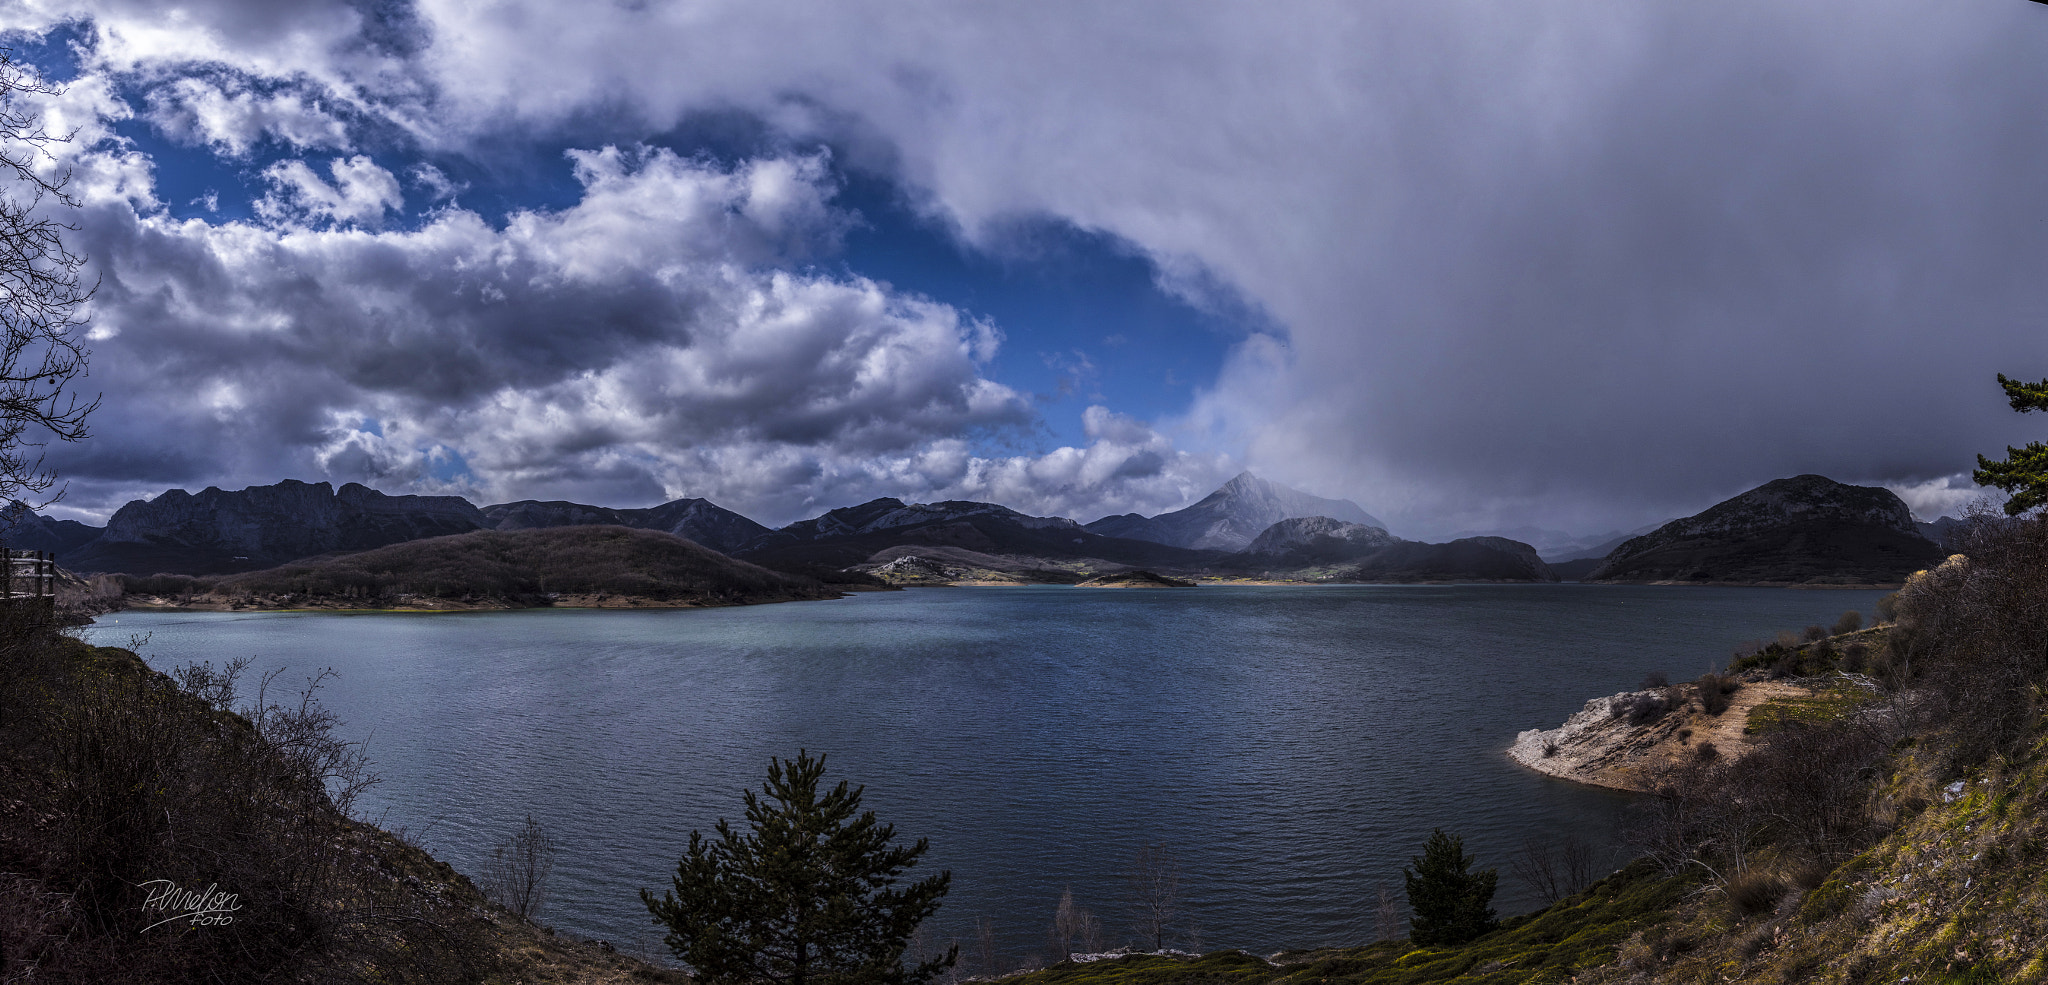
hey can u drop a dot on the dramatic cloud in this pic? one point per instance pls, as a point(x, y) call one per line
point(642, 345)
point(1575, 264)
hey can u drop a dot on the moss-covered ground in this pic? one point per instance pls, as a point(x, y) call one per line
point(1551, 945)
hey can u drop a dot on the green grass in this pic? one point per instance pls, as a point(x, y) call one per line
point(1547, 946)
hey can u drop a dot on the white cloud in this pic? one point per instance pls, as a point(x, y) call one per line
point(361, 193)
point(641, 344)
point(201, 111)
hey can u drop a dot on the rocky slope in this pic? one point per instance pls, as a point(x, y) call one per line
point(216, 531)
point(1807, 529)
point(1230, 518)
point(1601, 746)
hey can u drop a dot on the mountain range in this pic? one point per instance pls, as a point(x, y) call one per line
point(1805, 529)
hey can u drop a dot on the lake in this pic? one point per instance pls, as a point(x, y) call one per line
point(1291, 746)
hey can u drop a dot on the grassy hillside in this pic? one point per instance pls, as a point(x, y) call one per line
point(522, 567)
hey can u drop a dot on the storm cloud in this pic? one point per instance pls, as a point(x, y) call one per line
point(1584, 265)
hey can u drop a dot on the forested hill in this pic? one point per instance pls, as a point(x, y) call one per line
point(584, 565)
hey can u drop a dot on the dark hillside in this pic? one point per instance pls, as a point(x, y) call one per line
point(522, 567)
point(1807, 529)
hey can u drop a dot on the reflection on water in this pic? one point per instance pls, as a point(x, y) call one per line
point(1292, 746)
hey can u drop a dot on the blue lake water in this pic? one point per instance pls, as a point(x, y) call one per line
point(1292, 746)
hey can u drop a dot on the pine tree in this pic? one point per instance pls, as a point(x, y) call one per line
point(809, 897)
point(1452, 904)
point(2024, 472)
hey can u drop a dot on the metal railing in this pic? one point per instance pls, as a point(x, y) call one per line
point(28, 574)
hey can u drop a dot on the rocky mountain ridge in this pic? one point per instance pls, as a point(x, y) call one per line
point(216, 531)
point(1806, 529)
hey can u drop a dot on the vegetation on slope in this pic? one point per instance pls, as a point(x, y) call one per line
point(118, 783)
point(523, 567)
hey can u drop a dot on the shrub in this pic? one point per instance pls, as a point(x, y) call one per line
point(1655, 679)
point(1641, 707)
point(1814, 632)
point(1850, 622)
point(1452, 904)
point(1707, 751)
point(1714, 690)
point(1752, 893)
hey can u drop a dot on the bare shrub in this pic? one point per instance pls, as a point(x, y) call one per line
point(1850, 622)
point(1555, 869)
point(1813, 633)
point(517, 873)
point(1714, 690)
point(1641, 707)
point(1070, 925)
point(1707, 752)
point(1654, 680)
point(1974, 632)
point(1386, 915)
point(1155, 886)
point(987, 961)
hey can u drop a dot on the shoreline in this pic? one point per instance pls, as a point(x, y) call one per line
point(1595, 747)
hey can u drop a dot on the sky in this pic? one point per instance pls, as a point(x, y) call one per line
point(1577, 266)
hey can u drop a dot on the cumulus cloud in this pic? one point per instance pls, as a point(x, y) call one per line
point(1560, 262)
point(642, 344)
point(361, 193)
point(233, 120)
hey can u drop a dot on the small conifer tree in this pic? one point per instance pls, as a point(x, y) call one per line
point(810, 897)
point(2024, 471)
point(1451, 903)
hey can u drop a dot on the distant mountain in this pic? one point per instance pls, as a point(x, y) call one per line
point(1303, 542)
point(1806, 529)
point(1230, 518)
point(35, 532)
point(1465, 559)
point(1946, 531)
point(699, 520)
point(878, 531)
point(216, 532)
point(1323, 548)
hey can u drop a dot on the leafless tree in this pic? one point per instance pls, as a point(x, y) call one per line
point(517, 874)
point(1072, 925)
point(1066, 925)
point(1554, 869)
point(1386, 915)
point(1155, 884)
point(984, 954)
point(42, 298)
